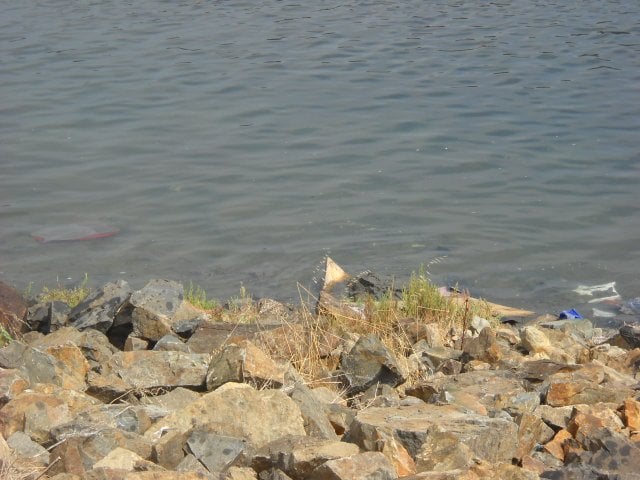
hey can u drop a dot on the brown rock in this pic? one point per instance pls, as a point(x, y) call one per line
point(493, 439)
point(12, 383)
point(210, 336)
point(583, 391)
point(363, 466)
point(534, 465)
point(244, 362)
point(555, 446)
point(298, 456)
point(13, 311)
point(557, 417)
point(133, 343)
point(78, 454)
point(37, 411)
point(240, 473)
point(631, 414)
point(94, 345)
point(604, 411)
point(484, 347)
point(443, 451)
point(123, 459)
point(531, 432)
point(237, 410)
point(73, 367)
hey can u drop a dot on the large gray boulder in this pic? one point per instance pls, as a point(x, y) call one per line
point(146, 369)
point(369, 362)
point(99, 309)
point(157, 307)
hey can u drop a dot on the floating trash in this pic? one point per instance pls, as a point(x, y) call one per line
point(572, 314)
point(74, 232)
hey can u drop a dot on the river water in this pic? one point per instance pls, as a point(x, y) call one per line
point(497, 143)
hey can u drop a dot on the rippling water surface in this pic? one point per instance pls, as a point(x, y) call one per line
point(241, 141)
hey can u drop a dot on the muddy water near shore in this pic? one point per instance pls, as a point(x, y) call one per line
point(241, 142)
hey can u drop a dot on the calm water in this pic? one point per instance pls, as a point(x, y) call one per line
point(241, 141)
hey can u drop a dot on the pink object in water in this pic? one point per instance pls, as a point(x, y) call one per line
point(74, 231)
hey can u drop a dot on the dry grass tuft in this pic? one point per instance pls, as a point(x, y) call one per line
point(72, 296)
point(16, 468)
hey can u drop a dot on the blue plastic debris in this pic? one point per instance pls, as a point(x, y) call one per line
point(572, 314)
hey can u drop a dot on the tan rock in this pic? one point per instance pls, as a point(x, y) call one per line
point(37, 411)
point(493, 439)
point(257, 416)
point(531, 432)
point(443, 451)
point(73, 366)
point(363, 466)
point(555, 446)
point(484, 347)
point(123, 459)
point(12, 383)
point(583, 391)
point(299, 456)
point(244, 362)
point(79, 454)
point(240, 473)
point(631, 414)
point(94, 345)
point(152, 369)
point(557, 417)
point(534, 465)
point(604, 411)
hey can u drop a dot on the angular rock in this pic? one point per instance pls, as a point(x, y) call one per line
point(631, 414)
point(316, 422)
point(157, 307)
point(237, 411)
point(22, 444)
point(363, 466)
point(484, 347)
point(132, 344)
point(191, 464)
point(556, 446)
point(555, 417)
point(63, 366)
point(583, 391)
point(37, 411)
point(244, 362)
point(631, 334)
point(298, 456)
point(99, 309)
point(171, 343)
point(606, 450)
point(171, 400)
point(435, 356)
point(491, 439)
point(123, 459)
point(13, 311)
point(94, 345)
point(216, 452)
point(369, 362)
point(48, 317)
point(128, 418)
point(273, 474)
point(12, 383)
point(78, 454)
point(210, 336)
point(151, 369)
point(240, 473)
point(532, 431)
point(417, 331)
point(443, 451)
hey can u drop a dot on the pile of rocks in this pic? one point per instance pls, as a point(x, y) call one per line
point(141, 385)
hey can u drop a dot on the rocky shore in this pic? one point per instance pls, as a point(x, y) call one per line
point(140, 384)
